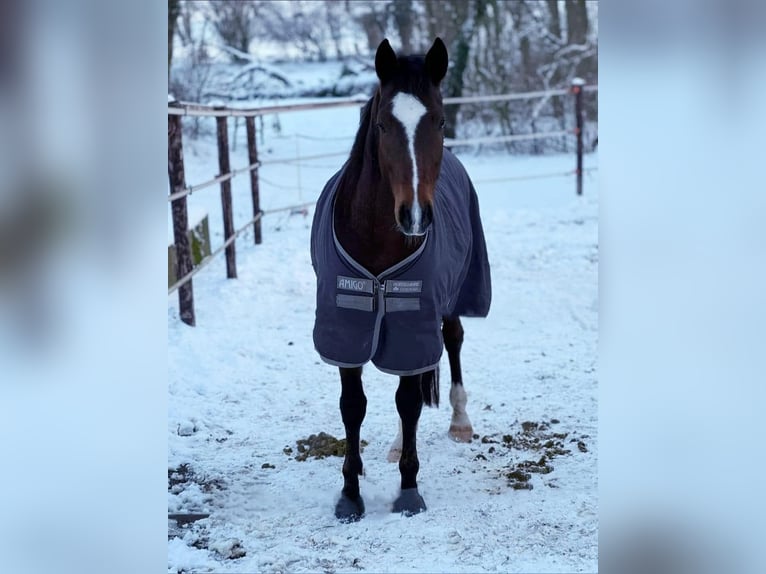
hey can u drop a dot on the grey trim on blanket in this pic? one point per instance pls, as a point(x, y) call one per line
point(419, 371)
point(342, 364)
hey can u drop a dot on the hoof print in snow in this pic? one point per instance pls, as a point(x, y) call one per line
point(230, 549)
point(409, 502)
point(267, 465)
point(348, 510)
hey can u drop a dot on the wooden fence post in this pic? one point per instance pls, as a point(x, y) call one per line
point(577, 84)
point(180, 218)
point(252, 150)
point(228, 214)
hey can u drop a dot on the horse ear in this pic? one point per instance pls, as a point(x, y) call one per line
point(436, 61)
point(385, 61)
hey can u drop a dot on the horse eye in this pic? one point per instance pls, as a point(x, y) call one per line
point(381, 127)
point(441, 124)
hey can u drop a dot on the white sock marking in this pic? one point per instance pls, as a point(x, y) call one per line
point(458, 399)
point(409, 111)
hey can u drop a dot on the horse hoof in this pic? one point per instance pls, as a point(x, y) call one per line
point(461, 433)
point(409, 502)
point(348, 510)
point(394, 455)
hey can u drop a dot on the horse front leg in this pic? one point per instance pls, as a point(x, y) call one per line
point(409, 404)
point(460, 428)
point(395, 451)
point(353, 407)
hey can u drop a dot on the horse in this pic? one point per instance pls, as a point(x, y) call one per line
point(398, 249)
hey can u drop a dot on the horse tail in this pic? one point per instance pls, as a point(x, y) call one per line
point(429, 387)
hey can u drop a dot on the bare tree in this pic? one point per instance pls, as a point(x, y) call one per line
point(301, 24)
point(235, 22)
point(554, 23)
point(459, 20)
point(307, 28)
point(174, 9)
point(184, 29)
point(404, 20)
point(333, 20)
point(553, 40)
point(191, 82)
point(577, 22)
point(374, 22)
point(495, 46)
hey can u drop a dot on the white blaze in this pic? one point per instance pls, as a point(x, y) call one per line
point(409, 110)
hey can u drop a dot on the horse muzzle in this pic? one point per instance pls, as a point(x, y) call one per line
point(413, 220)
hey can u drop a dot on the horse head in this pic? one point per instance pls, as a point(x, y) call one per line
point(410, 131)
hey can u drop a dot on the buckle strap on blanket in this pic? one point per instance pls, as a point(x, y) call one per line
point(367, 301)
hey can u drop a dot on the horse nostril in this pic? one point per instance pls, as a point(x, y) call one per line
point(405, 218)
point(428, 216)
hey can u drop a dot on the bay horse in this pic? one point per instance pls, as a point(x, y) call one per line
point(398, 249)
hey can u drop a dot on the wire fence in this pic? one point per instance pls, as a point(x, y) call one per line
point(184, 266)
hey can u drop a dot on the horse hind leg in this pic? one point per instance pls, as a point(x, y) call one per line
point(460, 428)
point(353, 407)
point(409, 404)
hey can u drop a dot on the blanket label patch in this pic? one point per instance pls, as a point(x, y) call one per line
point(404, 286)
point(354, 284)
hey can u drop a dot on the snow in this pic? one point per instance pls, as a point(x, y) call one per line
point(245, 383)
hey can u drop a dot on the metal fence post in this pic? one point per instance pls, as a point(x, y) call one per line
point(180, 218)
point(252, 151)
point(228, 214)
point(577, 84)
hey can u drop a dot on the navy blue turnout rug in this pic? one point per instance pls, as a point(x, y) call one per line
point(394, 319)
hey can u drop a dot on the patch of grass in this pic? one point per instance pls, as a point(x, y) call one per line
point(320, 446)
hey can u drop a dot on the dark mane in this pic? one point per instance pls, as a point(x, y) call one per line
point(360, 141)
point(364, 151)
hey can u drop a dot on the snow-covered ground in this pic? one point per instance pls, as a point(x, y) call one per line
point(245, 383)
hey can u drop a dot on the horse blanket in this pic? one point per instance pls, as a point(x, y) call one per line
point(394, 319)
